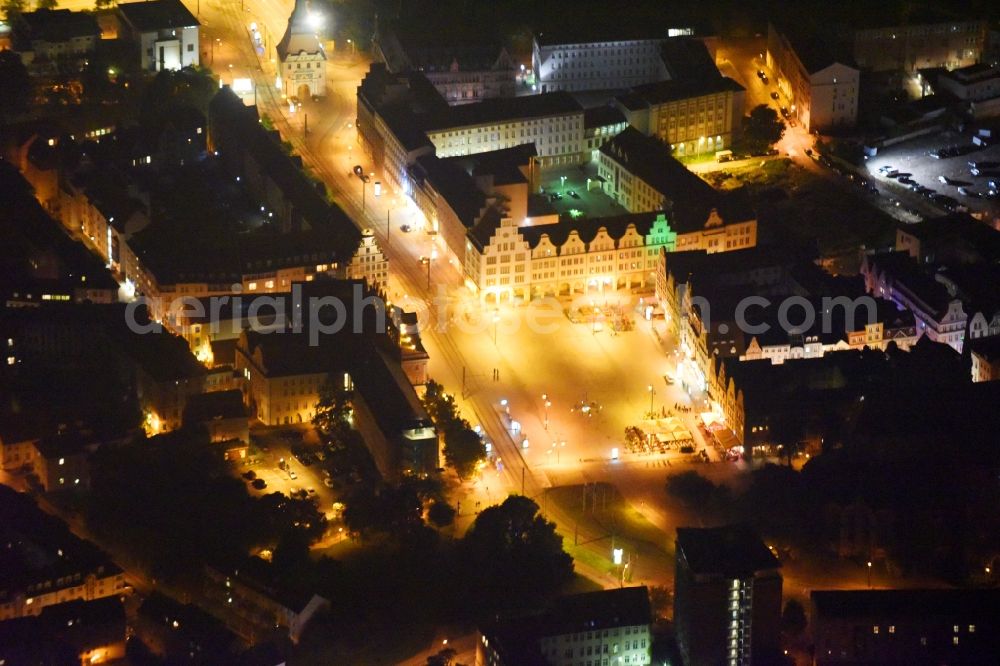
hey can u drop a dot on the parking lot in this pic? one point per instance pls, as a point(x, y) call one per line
point(913, 158)
point(559, 185)
point(273, 461)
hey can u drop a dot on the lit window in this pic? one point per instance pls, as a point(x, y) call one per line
point(875, 629)
point(972, 628)
point(62, 461)
point(892, 628)
point(954, 640)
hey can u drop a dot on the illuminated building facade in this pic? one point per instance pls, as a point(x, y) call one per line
point(301, 59)
point(823, 88)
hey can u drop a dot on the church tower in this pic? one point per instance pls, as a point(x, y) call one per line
point(301, 60)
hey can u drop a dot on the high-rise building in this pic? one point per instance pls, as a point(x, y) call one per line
point(727, 597)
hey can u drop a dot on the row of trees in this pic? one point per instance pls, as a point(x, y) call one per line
point(463, 447)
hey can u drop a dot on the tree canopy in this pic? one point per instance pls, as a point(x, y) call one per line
point(513, 555)
point(762, 129)
point(463, 447)
point(14, 83)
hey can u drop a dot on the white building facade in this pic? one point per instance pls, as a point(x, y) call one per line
point(165, 31)
point(604, 65)
point(301, 59)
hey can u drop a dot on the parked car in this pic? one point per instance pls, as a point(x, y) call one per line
point(784, 113)
point(328, 482)
point(573, 194)
point(966, 192)
point(405, 228)
point(292, 475)
point(774, 96)
point(259, 484)
point(249, 475)
point(761, 74)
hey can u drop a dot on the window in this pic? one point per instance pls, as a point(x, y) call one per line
point(190, 48)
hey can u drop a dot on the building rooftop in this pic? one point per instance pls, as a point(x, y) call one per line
point(973, 73)
point(688, 59)
point(602, 116)
point(986, 348)
point(662, 92)
point(299, 36)
point(58, 25)
point(815, 51)
point(34, 248)
point(41, 548)
point(902, 603)
point(504, 109)
point(452, 182)
point(605, 609)
point(690, 198)
point(215, 405)
point(157, 15)
point(614, 31)
point(63, 631)
point(730, 551)
point(66, 442)
point(957, 234)
point(698, 264)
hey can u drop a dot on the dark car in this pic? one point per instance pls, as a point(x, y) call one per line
point(761, 74)
point(405, 228)
point(249, 475)
point(573, 194)
point(774, 96)
point(784, 113)
point(259, 484)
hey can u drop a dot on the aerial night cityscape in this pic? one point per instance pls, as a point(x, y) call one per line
point(499, 332)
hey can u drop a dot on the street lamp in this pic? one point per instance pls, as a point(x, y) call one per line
point(652, 392)
point(562, 180)
point(427, 262)
point(548, 404)
point(869, 574)
point(496, 320)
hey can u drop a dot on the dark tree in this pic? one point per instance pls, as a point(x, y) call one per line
point(691, 488)
point(292, 551)
point(445, 657)
point(384, 509)
point(463, 449)
point(513, 556)
point(14, 83)
point(333, 414)
point(789, 429)
point(12, 9)
point(762, 129)
point(793, 619)
point(46, 4)
point(441, 514)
